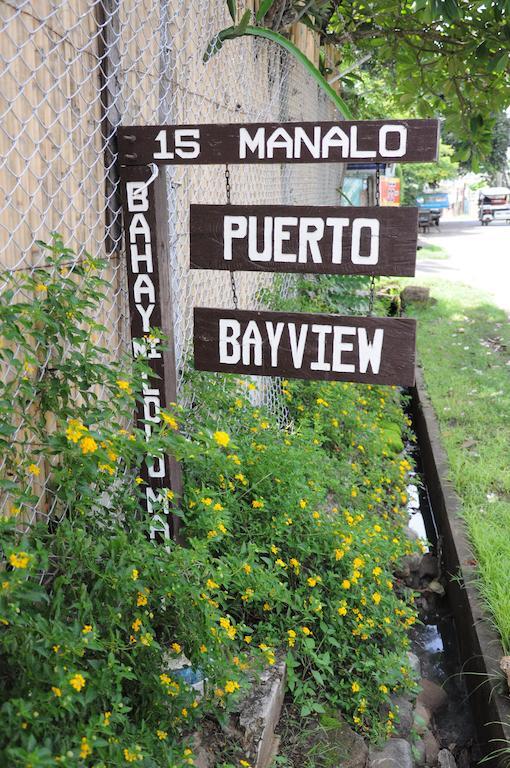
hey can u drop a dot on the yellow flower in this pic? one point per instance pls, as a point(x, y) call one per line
point(247, 568)
point(56, 691)
point(210, 584)
point(88, 445)
point(358, 562)
point(75, 430)
point(346, 584)
point(106, 718)
point(245, 763)
point(184, 712)
point(40, 287)
point(87, 629)
point(342, 611)
point(376, 597)
point(138, 480)
point(203, 648)
point(231, 686)
point(131, 757)
point(101, 467)
point(77, 682)
point(124, 386)
point(383, 688)
point(294, 564)
point(354, 493)
point(169, 420)
point(313, 580)
point(146, 639)
point(303, 503)
point(134, 574)
point(207, 501)
point(247, 639)
point(19, 559)
point(281, 563)
point(85, 748)
point(222, 528)
point(141, 599)
point(218, 507)
point(176, 647)
point(170, 495)
point(306, 631)
point(339, 553)
point(291, 639)
point(257, 504)
point(377, 571)
point(211, 534)
point(222, 439)
point(219, 693)
point(161, 735)
point(34, 470)
point(136, 625)
point(355, 688)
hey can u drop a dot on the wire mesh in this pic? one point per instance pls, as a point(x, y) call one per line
point(72, 71)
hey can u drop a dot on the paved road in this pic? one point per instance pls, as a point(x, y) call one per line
point(478, 256)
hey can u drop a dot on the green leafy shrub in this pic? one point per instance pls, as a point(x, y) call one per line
point(291, 538)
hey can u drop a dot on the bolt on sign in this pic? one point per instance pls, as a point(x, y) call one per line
point(322, 240)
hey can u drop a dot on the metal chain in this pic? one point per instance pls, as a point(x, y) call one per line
point(371, 297)
point(228, 190)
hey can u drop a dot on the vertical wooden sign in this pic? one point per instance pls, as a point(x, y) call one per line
point(143, 193)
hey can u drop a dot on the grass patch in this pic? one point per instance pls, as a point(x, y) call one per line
point(464, 347)
point(431, 252)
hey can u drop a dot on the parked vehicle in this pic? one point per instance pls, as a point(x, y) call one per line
point(435, 203)
point(494, 205)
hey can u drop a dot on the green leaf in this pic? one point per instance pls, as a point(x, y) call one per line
point(233, 32)
point(231, 4)
point(241, 27)
point(263, 9)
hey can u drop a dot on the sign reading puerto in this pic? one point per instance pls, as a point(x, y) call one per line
point(370, 350)
point(324, 240)
point(381, 141)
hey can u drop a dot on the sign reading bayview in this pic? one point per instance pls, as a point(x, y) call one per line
point(371, 350)
point(324, 240)
point(360, 141)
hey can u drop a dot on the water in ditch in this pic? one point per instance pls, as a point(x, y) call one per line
point(434, 640)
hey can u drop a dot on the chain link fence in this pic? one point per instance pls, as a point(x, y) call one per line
point(72, 71)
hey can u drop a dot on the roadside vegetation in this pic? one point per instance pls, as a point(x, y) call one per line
point(464, 348)
point(293, 526)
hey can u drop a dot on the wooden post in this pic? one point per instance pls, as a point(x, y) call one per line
point(145, 211)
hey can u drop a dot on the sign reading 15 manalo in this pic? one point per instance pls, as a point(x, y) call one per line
point(382, 141)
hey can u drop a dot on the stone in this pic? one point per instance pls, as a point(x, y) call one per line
point(405, 716)
point(445, 759)
point(415, 293)
point(344, 747)
point(428, 566)
point(414, 663)
point(432, 696)
point(504, 665)
point(422, 719)
point(201, 755)
point(259, 715)
point(437, 588)
point(431, 748)
point(396, 753)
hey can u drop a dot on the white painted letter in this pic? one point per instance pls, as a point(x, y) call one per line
point(252, 338)
point(297, 347)
point(335, 137)
point(320, 364)
point(340, 346)
point(139, 226)
point(300, 138)
point(280, 236)
point(355, 152)
point(274, 335)
point(266, 253)
point(336, 246)
point(370, 352)
point(233, 226)
point(232, 339)
point(137, 196)
point(373, 256)
point(311, 230)
point(383, 134)
point(186, 144)
point(280, 139)
point(255, 144)
point(136, 257)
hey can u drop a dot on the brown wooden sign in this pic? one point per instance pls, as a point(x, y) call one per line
point(322, 240)
point(144, 204)
point(370, 350)
point(362, 141)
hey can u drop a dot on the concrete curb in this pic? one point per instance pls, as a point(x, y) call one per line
point(480, 647)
